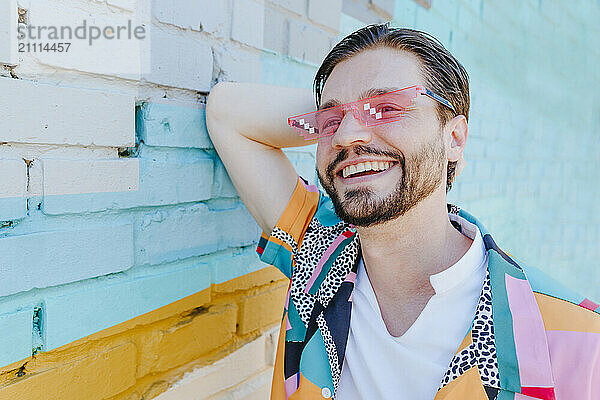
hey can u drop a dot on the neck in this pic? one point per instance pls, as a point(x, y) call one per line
point(400, 255)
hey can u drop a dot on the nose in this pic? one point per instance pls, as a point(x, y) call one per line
point(351, 131)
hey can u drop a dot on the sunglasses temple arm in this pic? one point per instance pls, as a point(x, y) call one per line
point(439, 98)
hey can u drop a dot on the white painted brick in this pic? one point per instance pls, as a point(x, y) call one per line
point(128, 5)
point(13, 189)
point(326, 12)
point(248, 22)
point(8, 32)
point(256, 388)
point(216, 17)
point(247, 363)
point(238, 65)
point(198, 15)
point(127, 55)
point(64, 177)
point(13, 178)
point(183, 13)
point(275, 37)
point(39, 113)
point(384, 7)
point(180, 61)
point(52, 258)
point(307, 43)
point(297, 6)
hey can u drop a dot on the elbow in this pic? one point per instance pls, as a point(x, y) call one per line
point(216, 101)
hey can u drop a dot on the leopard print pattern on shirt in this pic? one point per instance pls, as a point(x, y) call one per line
point(315, 242)
point(339, 271)
point(482, 351)
point(284, 237)
point(331, 352)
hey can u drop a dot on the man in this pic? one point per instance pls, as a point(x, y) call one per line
point(394, 294)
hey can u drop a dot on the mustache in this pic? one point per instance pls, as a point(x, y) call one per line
point(359, 151)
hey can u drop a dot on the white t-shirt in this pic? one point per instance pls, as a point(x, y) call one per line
point(380, 366)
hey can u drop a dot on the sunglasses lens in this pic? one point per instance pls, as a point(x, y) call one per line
point(317, 124)
point(387, 107)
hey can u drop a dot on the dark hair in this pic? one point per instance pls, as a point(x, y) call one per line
point(441, 71)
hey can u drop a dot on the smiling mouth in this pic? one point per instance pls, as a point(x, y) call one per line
point(356, 174)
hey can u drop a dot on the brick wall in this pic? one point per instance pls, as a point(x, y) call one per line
point(127, 257)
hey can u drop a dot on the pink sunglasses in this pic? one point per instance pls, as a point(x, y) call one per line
point(372, 111)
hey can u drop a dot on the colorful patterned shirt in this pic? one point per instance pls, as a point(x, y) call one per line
point(531, 338)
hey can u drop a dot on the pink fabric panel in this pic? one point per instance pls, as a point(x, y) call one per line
point(530, 334)
point(287, 297)
point(351, 277)
point(590, 305)
point(576, 364)
point(288, 326)
point(291, 385)
point(310, 188)
point(519, 396)
point(332, 247)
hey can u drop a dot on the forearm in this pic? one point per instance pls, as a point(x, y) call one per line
point(259, 112)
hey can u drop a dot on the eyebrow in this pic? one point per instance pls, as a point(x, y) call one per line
point(363, 95)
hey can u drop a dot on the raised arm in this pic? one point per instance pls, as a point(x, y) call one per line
point(247, 124)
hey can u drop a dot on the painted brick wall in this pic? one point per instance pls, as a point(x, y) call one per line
point(123, 240)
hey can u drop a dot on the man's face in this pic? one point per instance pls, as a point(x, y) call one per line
point(414, 145)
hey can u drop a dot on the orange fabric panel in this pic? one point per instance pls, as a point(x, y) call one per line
point(307, 390)
point(561, 315)
point(299, 211)
point(277, 387)
point(466, 386)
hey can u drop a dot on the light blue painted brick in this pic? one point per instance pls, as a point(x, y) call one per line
point(283, 71)
point(233, 264)
point(192, 231)
point(53, 258)
point(303, 160)
point(404, 13)
point(173, 124)
point(161, 183)
point(16, 331)
point(74, 314)
point(13, 208)
point(432, 23)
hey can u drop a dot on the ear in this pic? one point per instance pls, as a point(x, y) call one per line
point(456, 133)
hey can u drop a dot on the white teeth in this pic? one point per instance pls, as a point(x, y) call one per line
point(365, 166)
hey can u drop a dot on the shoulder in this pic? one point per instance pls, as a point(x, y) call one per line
point(562, 308)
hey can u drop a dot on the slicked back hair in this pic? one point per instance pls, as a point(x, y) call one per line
point(442, 73)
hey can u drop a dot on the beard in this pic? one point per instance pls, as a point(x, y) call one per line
point(422, 173)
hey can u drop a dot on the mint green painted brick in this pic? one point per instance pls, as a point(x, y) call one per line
point(79, 312)
point(161, 183)
point(173, 124)
point(13, 208)
point(50, 258)
point(175, 234)
point(15, 331)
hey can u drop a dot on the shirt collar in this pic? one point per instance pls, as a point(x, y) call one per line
point(472, 260)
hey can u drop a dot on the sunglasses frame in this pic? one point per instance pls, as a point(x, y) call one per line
point(357, 113)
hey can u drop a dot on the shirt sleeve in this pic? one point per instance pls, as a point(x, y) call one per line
point(278, 248)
